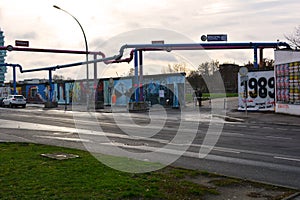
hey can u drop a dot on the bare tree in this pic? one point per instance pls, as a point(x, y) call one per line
point(177, 67)
point(294, 38)
point(58, 77)
point(208, 68)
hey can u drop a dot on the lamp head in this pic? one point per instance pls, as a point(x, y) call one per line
point(55, 6)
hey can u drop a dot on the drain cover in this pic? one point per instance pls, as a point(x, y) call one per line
point(59, 156)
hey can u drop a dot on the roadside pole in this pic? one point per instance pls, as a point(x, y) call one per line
point(245, 95)
point(244, 79)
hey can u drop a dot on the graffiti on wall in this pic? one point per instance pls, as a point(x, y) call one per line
point(37, 93)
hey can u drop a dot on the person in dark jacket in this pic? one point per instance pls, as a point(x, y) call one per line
point(198, 95)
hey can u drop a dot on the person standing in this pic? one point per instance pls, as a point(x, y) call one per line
point(198, 95)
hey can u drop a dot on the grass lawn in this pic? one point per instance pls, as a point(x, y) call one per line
point(25, 174)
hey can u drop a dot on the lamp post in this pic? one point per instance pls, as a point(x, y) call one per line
point(87, 54)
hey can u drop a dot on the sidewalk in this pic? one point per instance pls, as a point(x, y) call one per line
point(259, 117)
point(230, 113)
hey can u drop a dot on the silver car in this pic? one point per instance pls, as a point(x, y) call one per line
point(14, 101)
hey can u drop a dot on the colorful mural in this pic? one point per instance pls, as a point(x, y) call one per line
point(4, 91)
point(166, 89)
point(156, 89)
point(122, 91)
point(63, 92)
point(37, 93)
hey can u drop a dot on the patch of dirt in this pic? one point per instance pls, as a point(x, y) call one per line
point(231, 189)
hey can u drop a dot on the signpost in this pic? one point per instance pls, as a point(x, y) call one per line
point(244, 78)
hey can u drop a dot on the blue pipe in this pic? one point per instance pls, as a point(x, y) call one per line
point(14, 80)
point(136, 76)
point(50, 86)
point(255, 57)
point(141, 75)
point(202, 46)
point(14, 74)
point(169, 47)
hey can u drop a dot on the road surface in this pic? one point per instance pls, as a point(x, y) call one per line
point(262, 152)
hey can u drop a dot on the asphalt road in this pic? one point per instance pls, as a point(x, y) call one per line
point(263, 152)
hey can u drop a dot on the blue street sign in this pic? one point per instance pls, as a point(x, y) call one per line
point(217, 37)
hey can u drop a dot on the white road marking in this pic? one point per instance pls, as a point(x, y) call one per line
point(63, 138)
point(277, 137)
point(286, 158)
point(267, 127)
point(295, 129)
point(255, 127)
point(226, 150)
point(282, 129)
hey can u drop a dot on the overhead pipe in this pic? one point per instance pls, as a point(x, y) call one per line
point(42, 50)
point(142, 47)
point(194, 46)
point(14, 74)
point(163, 47)
point(201, 46)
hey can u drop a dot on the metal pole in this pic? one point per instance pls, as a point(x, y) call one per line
point(255, 57)
point(65, 96)
point(246, 96)
point(261, 57)
point(14, 80)
point(50, 86)
point(86, 56)
point(136, 76)
point(95, 83)
point(141, 75)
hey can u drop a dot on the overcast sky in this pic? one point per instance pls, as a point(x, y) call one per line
point(108, 24)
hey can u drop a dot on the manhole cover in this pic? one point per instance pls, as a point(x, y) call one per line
point(59, 156)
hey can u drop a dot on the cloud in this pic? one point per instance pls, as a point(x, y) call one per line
point(161, 56)
point(95, 43)
point(26, 36)
point(111, 24)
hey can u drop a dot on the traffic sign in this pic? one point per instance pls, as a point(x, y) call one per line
point(203, 38)
point(23, 43)
point(243, 71)
point(216, 37)
point(244, 78)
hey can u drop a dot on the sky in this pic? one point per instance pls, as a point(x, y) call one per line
point(109, 24)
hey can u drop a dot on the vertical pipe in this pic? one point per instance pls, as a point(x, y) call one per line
point(255, 57)
point(175, 97)
point(261, 57)
point(65, 95)
point(141, 76)
point(136, 76)
point(50, 86)
point(95, 82)
point(14, 80)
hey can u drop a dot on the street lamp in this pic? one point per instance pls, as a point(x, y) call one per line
point(87, 54)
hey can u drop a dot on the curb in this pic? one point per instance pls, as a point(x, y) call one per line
point(229, 119)
point(291, 197)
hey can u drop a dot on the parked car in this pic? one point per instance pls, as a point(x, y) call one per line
point(1, 101)
point(14, 101)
